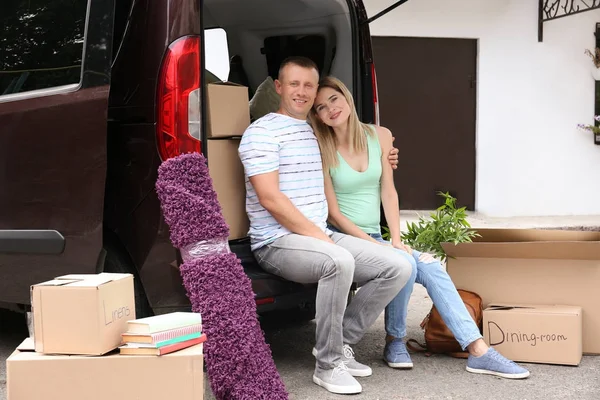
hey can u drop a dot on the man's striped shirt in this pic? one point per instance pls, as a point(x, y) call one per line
point(278, 142)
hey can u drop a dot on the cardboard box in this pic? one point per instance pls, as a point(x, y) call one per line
point(533, 266)
point(177, 375)
point(531, 333)
point(227, 109)
point(82, 314)
point(227, 172)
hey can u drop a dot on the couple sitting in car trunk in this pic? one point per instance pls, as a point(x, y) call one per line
point(315, 180)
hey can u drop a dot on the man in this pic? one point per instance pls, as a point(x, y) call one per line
point(287, 209)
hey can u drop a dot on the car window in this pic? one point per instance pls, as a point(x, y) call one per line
point(41, 43)
point(216, 53)
point(122, 10)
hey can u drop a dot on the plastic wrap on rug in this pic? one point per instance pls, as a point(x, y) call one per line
point(204, 248)
point(238, 360)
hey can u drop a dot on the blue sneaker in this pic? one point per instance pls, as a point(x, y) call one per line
point(494, 363)
point(396, 355)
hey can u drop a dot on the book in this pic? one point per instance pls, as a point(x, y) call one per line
point(164, 343)
point(144, 350)
point(164, 322)
point(163, 336)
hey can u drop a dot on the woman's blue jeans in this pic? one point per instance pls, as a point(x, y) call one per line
point(443, 293)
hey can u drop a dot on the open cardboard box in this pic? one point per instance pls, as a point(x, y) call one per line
point(533, 266)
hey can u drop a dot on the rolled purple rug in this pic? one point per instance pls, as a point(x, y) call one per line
point(238, 360)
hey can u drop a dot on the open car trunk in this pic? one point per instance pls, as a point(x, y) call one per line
point(244, 43)
point(263, 32)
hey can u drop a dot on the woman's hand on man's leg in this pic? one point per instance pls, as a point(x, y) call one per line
point(426, 258)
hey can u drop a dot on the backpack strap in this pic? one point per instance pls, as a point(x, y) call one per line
point(417, 347)
point(412, 344)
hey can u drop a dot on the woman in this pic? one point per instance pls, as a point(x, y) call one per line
point(358, 179)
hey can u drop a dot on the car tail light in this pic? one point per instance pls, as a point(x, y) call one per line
point(375, 95)
point(178, 99)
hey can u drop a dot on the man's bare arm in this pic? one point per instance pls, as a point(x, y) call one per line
point(393, 156)
point(282, 209)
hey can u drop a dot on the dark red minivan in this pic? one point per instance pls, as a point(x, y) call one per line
point(88, 111)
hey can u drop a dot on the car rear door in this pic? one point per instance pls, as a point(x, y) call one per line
point(367, 99)
point(54, 83)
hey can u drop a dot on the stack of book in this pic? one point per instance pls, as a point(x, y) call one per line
point(162, 334)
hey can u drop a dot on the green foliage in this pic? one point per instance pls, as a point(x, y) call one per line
point(446, 224)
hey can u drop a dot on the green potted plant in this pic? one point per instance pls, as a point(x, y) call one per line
point(446, 224)
point(592, 128)
point(595, 56)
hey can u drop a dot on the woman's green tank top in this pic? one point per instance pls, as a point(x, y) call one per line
point(359, 193)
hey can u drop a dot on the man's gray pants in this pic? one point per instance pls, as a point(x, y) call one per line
point(378, 270)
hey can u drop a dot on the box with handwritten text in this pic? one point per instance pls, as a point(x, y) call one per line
point(82, 314)
point(533, 333)
point(533, 266)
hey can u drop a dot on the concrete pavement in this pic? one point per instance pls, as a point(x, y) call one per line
point(13, 329)
point(436, 377)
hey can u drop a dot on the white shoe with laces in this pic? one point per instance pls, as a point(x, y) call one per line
point(337, 380)
point(354, 367)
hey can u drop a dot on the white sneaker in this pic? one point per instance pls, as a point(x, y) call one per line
point(337, 380)
point(354, 367)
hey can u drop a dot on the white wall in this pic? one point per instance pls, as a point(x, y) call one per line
point(531, 159)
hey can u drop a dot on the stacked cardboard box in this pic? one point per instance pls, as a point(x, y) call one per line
point(78, 323)
point(228, 116)
point(546, 277)
point(82, 314)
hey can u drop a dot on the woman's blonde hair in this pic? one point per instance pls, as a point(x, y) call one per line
point(326, 135)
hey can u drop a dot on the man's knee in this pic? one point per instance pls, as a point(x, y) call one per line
point(413, 267)
point(409, 257)
point(403, 270)
point(342, 262)
point(413, 274)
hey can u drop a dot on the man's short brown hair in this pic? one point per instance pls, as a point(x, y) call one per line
point(303, 62)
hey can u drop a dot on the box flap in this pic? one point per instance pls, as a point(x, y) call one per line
point(490, 235)
point(25, 352)
point(533, 309)
point(90, 280)
point(56, 282)
point(225, 83)
point(27, 345)
point(550, 250)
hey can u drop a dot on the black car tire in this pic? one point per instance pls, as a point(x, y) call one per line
point(118, 261)
point(306, 312)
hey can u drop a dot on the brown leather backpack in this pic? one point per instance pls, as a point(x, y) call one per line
point(438, 338)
